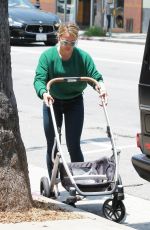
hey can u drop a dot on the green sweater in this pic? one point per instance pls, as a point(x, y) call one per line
point(52, 66)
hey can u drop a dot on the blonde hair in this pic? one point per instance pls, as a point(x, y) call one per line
point(70, 28)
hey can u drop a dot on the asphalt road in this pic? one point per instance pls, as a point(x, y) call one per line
point(120, 65)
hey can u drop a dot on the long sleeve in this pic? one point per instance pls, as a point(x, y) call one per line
point(41, 76)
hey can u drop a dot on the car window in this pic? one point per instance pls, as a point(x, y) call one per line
point(145, 71)
point(20, 3)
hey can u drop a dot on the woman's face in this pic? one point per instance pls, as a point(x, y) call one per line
point(67, 42)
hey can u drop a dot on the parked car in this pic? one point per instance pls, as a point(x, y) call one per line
point(27, 23)
point(141, 162)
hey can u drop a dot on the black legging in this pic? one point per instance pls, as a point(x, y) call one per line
point(73, 111)
point(108, 21)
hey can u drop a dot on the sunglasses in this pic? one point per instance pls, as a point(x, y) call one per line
point(65, 43)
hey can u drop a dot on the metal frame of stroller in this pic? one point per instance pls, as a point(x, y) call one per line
point(114, 208)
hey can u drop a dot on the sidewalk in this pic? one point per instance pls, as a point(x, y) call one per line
point(129, 38)
point(87, 223)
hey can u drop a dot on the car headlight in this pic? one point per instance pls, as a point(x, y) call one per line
point(14, 23)
point(57, 24)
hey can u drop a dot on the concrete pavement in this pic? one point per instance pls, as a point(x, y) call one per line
point(87, 223)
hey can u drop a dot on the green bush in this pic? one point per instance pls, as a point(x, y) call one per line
point(95, 31)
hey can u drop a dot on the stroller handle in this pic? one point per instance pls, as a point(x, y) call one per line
point(71, 79)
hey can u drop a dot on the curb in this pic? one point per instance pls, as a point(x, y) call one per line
point(112, 39)
point(66, 207)
point(87, 216)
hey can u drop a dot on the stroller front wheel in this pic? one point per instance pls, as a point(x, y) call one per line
point(114, 210)
point(44, 187)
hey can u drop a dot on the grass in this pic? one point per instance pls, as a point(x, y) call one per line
point(95, 31)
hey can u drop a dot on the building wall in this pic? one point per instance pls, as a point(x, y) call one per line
point(145, 15)
point(133, 15)
point(47, 5)
point(136, 13)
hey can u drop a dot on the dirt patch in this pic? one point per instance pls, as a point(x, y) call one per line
point(41, 211)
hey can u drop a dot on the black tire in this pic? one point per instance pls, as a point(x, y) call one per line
point(119, 182)
point(44, 187)
point(115, 212)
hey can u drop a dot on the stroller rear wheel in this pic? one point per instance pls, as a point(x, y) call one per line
point(114, 210)
point(44, 187)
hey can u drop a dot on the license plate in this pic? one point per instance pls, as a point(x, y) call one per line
point(41, 37)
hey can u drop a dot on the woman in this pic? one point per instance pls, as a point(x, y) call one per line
point(64, 60)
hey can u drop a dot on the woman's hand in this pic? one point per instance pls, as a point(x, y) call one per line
point(48, 99)
point(100, 88)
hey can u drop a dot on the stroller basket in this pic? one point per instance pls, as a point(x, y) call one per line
point(104, 167)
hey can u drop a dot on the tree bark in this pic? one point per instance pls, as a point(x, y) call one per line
point(15, 192)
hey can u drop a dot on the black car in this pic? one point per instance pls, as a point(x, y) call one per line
point(141, 162)
point(27, 23)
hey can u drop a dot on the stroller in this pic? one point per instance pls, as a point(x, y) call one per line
point(92, 178)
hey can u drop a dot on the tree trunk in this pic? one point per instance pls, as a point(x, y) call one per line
point(15, 192)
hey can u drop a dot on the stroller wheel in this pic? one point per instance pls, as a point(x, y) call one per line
point(54, 194)
point(114, 211)
point(44, 187)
